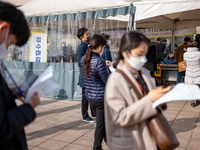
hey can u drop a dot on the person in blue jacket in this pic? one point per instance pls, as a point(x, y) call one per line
point(95, 75)
point(84, 36)
point(106, 53)
point(170, 59)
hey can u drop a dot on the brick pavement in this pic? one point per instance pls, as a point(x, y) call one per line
point(58, 126)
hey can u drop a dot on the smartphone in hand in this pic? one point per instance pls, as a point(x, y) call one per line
point(28, 82)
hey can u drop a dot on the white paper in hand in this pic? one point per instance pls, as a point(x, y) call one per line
point(112, 69)
point(42, 85)
point(181, 92)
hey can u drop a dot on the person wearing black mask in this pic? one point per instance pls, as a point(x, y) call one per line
point(84, 36)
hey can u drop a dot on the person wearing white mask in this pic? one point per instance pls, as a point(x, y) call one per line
point(170, 59)
point(125, 114)
point(106, 55)
point(13, 30)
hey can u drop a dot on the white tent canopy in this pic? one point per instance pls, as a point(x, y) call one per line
point(163, 14)
point(47, 7)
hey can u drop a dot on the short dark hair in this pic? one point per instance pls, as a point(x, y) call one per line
point(164, 40)
point(81, 32)
point(187, 39)
point(106, 36)
point(18, 24)
point(158, 39)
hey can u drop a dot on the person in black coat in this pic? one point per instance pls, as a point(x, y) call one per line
point(151, 59)
point(84, 36)
point(106, 52)
point(13, 30)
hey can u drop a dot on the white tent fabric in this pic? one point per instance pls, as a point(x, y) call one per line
point(17, 2)
point(163, 14)
point(47, 7)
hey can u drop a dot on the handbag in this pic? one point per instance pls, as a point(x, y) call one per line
point(158, 124)
point(182, 66)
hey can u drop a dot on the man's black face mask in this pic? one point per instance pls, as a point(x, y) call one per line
point(88, 39)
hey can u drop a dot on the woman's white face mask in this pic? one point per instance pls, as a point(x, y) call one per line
point(109, 42)
point(3, 48)
point(102, 49)
point(171, 55)
point(136, 62)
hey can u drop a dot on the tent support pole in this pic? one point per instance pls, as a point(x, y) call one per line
point(173, 37)
point(135, 28)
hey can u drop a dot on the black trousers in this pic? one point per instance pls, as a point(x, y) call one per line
point(100, 132)
point(84, 107)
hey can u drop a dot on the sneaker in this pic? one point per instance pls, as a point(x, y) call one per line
point(89, 119)
point(193, 104)
point(197, 103)
point(93, 117)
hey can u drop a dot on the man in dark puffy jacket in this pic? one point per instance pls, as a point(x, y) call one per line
point(13, 30)
point(106, 52)
point(84, 36)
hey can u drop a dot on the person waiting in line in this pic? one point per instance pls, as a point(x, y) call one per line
point(106, 53)
point(13, 30)
point(197, 39)
point(84, 36)
point(126, 115)
point(170, 59)
point(151, 58)
point(160, 48)
point(192, 60)
point(158, 41)
point(179, 57)
point(95, 75)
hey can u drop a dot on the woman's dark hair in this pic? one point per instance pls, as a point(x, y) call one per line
point(95, 42)
point(106, 36)
point(129, 41)
point(81, 31)
point(18, 24)
point(192, 44)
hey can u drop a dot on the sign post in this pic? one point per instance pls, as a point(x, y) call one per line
point(158, 72)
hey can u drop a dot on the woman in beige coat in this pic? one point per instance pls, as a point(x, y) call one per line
point(126, 115)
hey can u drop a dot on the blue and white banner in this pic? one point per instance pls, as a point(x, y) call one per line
point(38, 46)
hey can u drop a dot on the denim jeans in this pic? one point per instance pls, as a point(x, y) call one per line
point(179, 76)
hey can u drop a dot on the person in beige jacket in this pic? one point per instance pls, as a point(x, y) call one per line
point(126, 115)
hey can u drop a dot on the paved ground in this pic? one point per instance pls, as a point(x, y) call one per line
point(59, 127)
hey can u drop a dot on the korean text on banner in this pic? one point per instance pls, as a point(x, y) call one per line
point(38, 45)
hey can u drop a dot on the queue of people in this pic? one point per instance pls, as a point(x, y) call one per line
point(120, 114)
